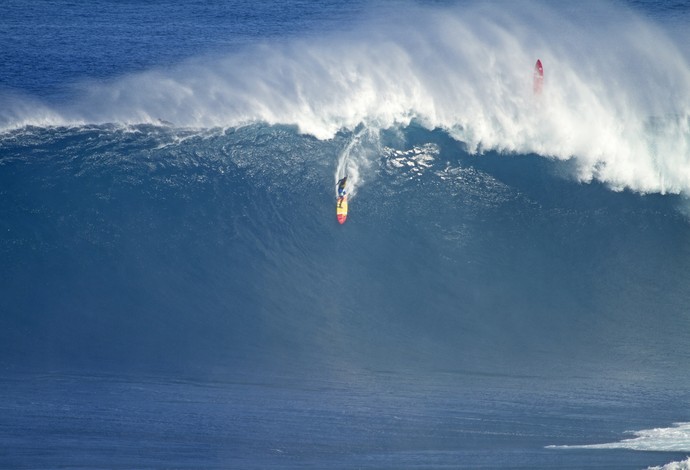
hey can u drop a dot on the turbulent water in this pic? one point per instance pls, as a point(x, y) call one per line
point(510, 288)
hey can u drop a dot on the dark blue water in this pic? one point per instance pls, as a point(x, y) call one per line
point(511, 283)
point(377, 420)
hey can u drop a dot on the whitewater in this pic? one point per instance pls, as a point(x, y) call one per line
point(616, 108)
point(510, 289)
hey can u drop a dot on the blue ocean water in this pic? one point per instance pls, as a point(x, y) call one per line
point(510, 289)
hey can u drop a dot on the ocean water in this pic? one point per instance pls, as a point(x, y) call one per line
point(510, 289)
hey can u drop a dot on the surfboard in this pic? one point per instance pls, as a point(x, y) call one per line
point(538, 82)
point(341, 210)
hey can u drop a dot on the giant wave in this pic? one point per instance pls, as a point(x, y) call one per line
point(152, 246)
point(182, 220)
point(186, 215)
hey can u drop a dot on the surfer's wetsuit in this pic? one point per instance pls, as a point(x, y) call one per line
point(341, 191)
point(341, 187)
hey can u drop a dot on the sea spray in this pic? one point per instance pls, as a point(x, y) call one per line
point(465, 68)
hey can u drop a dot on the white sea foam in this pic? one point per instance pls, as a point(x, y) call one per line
point(616, 97)
point(684, 465)
point(671, 439)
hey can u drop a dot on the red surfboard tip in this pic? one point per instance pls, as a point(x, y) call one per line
point(538, 81)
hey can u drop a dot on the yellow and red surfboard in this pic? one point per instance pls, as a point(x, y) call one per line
point(341, 209)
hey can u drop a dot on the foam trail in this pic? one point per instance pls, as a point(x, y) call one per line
point(673, 439)
point(616, 98)
point(358, 155)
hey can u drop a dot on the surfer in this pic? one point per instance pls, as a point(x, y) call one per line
point(341, 190)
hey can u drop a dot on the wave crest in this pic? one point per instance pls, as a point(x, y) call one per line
point(618, 108)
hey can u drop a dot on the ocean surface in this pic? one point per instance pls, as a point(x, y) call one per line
point(511, 288)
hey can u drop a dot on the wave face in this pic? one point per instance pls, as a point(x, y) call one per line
point(182, 215)
point(145, 246)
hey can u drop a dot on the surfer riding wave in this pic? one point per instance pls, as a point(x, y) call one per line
point(341, 190)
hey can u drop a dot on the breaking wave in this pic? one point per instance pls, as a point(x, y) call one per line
point(615, 100)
